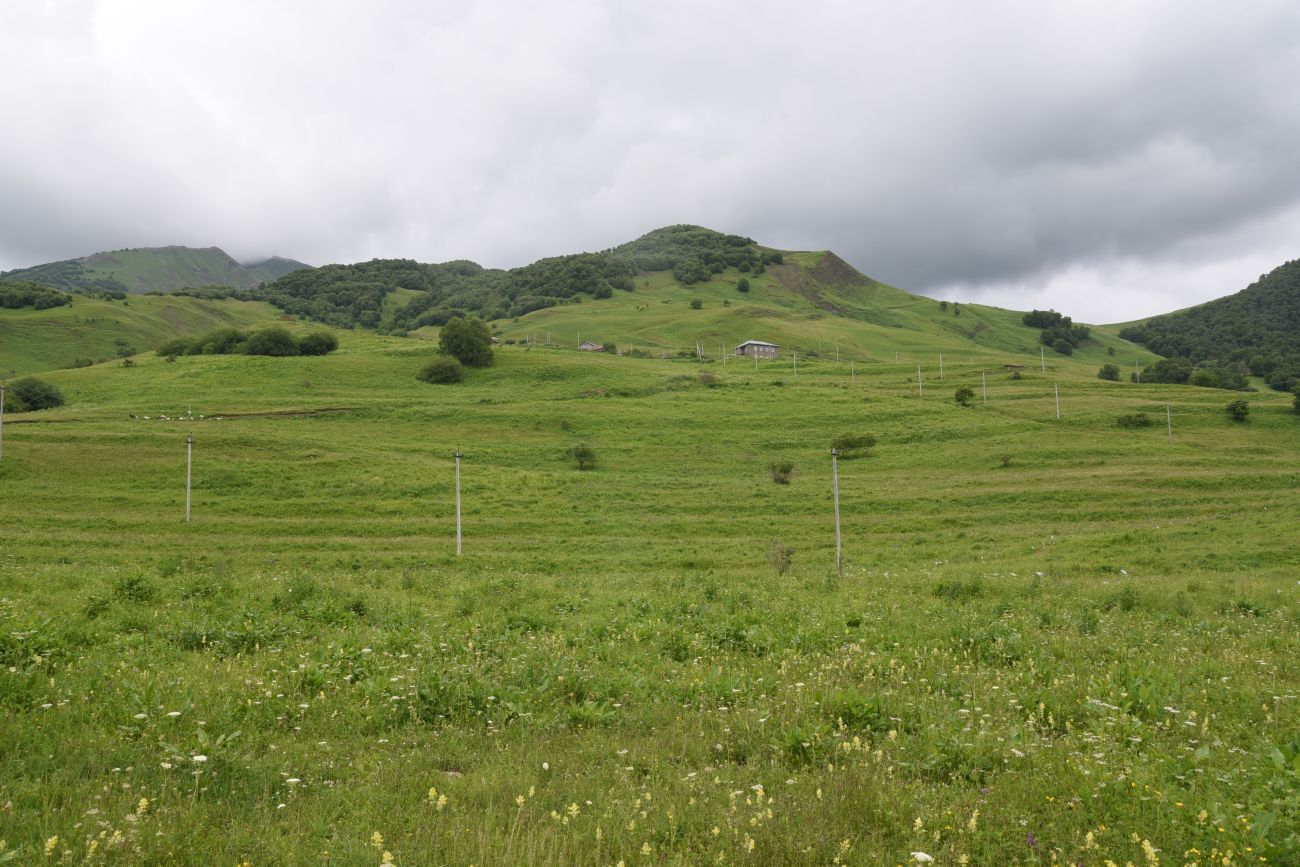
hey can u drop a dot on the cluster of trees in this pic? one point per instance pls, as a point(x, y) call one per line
point(29, 394)
point(1258, 328)
point(274, 341)
point(70, 275)
point(353, 295)
point(1059, 332)
point(14, 295)
point(1206, 374)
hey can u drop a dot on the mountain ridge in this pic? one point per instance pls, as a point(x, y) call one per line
point(168, 268)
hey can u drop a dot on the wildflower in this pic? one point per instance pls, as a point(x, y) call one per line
point(922, 858)
point(386, 858)
point(519, 799)
point(1090, 841)
point(918, 825)
point(749, 843)
point(974, 821)
point(1150, 852)
point(198, 760)
point(646, 849)
point(142, 807)
point(51, 844)
point(573, 810)
point(377, 840)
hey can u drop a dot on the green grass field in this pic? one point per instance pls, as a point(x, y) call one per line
point(96, 330)
point(1055, 641)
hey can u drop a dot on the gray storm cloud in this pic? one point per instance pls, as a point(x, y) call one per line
point(1111, 160)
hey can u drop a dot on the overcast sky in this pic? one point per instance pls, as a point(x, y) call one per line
point(1110, 160)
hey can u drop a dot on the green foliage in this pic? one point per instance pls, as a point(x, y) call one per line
point(442, 370)
point(1058, 332)
point(583, 456)
point(1238, 410)
point(318, 343)
point(273, 341)
point(14, 295)
point(742, 285)
point(468, 341)
point(1063, 346)
point(30, 394)
point(780, 555)
point(223, 341)
point(943, 306)
point(1135, 419)
point(696, 303)
point(1259, 325)
point(1296, 400)
point(850, 445)
point(781, 471)
point(1109, 372)
point(964, 395)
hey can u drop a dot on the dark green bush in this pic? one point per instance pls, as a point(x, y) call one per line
point(1238, 410)
point(175, 346)
point(442, 370)
point(220, 342)
point(30, 394)
point(1109, 372)
point(274, 341)
point(781, 471)
point(852, 446)
point(1135, 419)
point(582, 455)
point(318, 343)
point(964, 396)
point(743, 285)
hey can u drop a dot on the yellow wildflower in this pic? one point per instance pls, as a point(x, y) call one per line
point(51, 844)
point(377, 840)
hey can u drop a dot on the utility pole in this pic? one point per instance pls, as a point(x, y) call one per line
point(1169, 422)
point(941, 367)
point(456, 454)
point(984, 380)
point(2, 421)
point(1137, 370)
point(1058, 400)
point(189, 464)
point(1042, 358)
point(920, 386)
point(837, 353)
point(853, 376)
point(835, 484)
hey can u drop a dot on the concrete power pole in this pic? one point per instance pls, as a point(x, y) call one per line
point(456, 455)
point(835, 485)
point(189, 464)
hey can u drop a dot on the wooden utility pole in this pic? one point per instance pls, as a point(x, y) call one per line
point(456, 455)
point(1042, 358)
point(920, 387)
point(1058, 400)
point(835, 485)
point(941, 367)
point(189, 464)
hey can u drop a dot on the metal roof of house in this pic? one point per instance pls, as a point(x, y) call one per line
point(756, 343)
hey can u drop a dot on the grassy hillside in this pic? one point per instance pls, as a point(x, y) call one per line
point(154, 269)
point(810, 304)
point(97, 330)
point(1054, 640)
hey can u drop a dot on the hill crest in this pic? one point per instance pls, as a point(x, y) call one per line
point(154, 269)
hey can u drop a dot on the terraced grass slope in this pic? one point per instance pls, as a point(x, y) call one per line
point(96, 330)
point(155, 269)
point(1054, 639)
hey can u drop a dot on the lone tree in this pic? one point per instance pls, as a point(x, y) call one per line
point(1109, 371)
point(441, 371)
point(743, 285)
point(965, 396)
point(468, 341)
point(1238, 410)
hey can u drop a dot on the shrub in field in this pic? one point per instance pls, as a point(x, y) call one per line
point(743, 285)
point(707, 379)
point(274, 341)
point(853, 445)
point(442, 370)
point(30, 394)
point(1238, 410)
point(582, 455)
point(175, 346)
point(467, 340)
point(1134, 419)
point(696, 303)
point(318, 343)
point(1109, 372)
point(1005, 460)
point(780, 556)
point(781, 471)
point(223, 341)
point(964, 396)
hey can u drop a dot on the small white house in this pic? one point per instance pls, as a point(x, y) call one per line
point(588, 346)
point(757, 349)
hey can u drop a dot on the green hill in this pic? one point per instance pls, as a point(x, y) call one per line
point(1258, 328)
point(154, 269)
point(91, 330)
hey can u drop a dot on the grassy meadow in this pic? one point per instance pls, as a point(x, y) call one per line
point(1054, 640)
